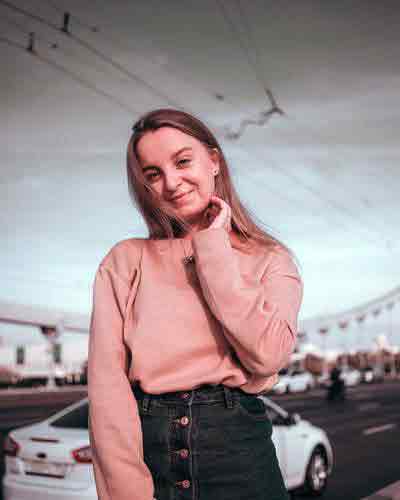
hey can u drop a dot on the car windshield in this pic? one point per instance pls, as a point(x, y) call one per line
point(74, 419)
point(276, 417)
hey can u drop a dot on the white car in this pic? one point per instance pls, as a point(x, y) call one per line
point(293, 381)
point(51, 460)
point(350, 376)
point(371, 374)
point(304, 451)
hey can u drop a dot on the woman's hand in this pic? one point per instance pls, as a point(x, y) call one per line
point(219, 214)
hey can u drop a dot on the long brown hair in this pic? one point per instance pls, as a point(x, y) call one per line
point(163, 224)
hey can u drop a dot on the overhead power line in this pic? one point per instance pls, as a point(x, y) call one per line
point(229, 132)
point(215, 95)
point(56, 47)
point(85, 83)
point(116, 65)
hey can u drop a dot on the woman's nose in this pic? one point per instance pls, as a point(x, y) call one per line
point(172, 180)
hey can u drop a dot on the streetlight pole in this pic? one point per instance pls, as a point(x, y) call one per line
point(389, 307)
point(323, 331)
point(52, 336)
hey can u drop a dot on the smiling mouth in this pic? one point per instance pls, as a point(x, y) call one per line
point(180, 198)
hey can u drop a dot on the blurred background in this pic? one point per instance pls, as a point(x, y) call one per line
point(304, 100)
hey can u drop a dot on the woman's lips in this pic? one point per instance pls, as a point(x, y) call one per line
point(181, 198)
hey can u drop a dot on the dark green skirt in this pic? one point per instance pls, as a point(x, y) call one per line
point(210, 443)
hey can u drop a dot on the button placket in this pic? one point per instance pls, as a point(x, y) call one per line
point(182, 466)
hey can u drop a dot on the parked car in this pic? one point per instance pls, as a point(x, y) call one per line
point(293, 381)
point(52, 459)
point(370, 374)
point(350, 376)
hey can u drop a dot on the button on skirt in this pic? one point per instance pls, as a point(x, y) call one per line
point(209, 443)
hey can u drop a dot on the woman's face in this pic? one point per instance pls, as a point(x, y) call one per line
point(176, 164)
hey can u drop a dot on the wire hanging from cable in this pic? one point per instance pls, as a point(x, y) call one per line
point(234, 134)
point(60, 10)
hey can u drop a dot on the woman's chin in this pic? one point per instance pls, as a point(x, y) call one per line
point(192, 216)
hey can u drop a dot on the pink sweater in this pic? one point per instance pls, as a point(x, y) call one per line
point(227, 318)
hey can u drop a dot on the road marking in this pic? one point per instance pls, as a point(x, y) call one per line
point(381, 428)
point(360, 396)
point(368, 406)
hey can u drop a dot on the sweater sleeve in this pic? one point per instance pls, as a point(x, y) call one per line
point(258, 315)
point(115, 431)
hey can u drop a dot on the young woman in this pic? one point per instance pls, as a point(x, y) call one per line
point(187, 327)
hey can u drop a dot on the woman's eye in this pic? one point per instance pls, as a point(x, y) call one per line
point(184, 160)
point(152, 176)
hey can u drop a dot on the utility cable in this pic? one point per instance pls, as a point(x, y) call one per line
point(215, 95)
point(54, 46)
point(85, 83)
point(116, 65)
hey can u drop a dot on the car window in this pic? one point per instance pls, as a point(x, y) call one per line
point(74, 419)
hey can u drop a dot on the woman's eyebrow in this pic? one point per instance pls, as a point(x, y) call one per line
point(174, 155)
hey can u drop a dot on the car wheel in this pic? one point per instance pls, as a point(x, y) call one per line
point(317, 473)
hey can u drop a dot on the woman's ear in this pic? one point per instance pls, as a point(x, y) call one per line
point(214, 154)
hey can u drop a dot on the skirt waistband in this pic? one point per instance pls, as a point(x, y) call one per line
point(204, 394)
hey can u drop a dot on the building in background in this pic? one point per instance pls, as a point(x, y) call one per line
point(40, 347)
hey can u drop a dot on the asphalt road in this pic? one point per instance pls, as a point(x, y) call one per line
point(364, 430)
